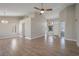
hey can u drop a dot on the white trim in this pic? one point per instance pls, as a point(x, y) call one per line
point(8, 36)
point(28, 38)
point(20, 36)
point(71, 39)
point(37, 36)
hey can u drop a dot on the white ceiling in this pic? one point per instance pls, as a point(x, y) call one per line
point(21, 9)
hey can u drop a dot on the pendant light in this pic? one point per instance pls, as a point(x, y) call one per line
point(4, 21)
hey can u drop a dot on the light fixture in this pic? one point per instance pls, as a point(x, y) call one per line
point(4, 18)
point(4, 21)
point(42, 11)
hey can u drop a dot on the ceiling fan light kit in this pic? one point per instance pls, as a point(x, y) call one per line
point(42, 10)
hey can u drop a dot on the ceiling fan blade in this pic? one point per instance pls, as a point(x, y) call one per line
point(37, 8)
point(48, 9)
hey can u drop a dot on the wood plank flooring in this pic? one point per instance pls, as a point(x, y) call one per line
point(38, 47)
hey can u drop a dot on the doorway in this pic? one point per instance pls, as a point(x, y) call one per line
point(62, 34)
point(62, 29)
point(23, 29)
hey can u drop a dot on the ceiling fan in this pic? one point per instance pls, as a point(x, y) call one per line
point(42, 9)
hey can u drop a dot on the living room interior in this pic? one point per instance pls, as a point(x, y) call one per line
point(39, 29)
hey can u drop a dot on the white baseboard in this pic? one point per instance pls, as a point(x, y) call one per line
point(71, 39)
point(30, 38)
point(37, 36)
point(8, 36)
point(20, 36)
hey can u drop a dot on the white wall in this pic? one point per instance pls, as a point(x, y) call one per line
point(28, 27)
point(68, 15)
point(77, 23)
point(34, 26)
point(27, 21)
point(20, 26)
point(37, 26)
point(8, 30)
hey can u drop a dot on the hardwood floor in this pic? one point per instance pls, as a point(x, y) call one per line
point(38, 47)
